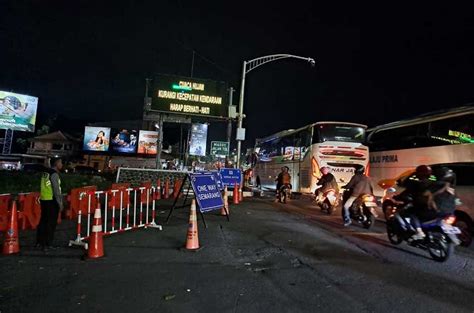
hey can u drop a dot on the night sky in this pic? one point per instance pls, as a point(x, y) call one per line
point(375, 64)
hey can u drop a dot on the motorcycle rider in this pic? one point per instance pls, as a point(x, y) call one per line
point(359, 184)
point(327, 181)
point(419, 189)
point(283, 179)
point(444, 195)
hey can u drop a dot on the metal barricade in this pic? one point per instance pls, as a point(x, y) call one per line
point(136, 209)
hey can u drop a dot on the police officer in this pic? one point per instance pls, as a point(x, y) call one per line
point(51, 204)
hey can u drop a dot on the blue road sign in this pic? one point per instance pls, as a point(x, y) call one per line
point(230, 176)
point(217, 176)
point(207, 193)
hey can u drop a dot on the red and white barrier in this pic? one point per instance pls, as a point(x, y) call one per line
point(117, 219)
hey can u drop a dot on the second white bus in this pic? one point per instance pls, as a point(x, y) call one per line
point(338, 145)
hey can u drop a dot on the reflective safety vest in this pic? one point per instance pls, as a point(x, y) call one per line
point(46, 191)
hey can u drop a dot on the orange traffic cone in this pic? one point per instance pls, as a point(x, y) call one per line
point(235, 194)
point(176, 188)
point(158, 189)
point(167, 189)
point(192, 239)
point(96, 242)
point(11, 245)
point(226, 203)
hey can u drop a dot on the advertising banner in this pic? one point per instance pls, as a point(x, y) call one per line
point(230, 176)
point(198, 140)
point(96, 139)
point(147, 142)
point(124, 141)
point(17, 111)
point(189, 96)
point(288, 155)
point(207, 193)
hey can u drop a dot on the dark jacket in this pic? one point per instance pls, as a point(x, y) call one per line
point(328, 181)
point(444, 197)
point(419, 191)
point(283, 178)
point(360, 184)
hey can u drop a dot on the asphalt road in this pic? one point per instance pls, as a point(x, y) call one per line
point(269, 257)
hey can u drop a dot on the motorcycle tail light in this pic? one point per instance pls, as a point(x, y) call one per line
point(450, 220)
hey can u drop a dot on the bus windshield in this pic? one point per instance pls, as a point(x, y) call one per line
point(332, 132)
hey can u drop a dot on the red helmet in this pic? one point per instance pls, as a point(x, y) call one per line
point(423, 171)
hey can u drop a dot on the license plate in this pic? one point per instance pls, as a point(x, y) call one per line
point(370, 204)
point(451, 230)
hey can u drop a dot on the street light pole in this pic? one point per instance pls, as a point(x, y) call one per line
point(246, 68)
point(241, 111)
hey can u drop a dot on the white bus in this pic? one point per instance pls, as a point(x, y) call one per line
point(338, 145)
point(437, 139)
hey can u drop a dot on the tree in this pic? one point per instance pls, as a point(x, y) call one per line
point(22, 144)
point(43, 130)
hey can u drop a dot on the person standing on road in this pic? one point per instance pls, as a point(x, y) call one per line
point(51, 204)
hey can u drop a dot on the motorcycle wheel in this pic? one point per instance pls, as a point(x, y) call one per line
point(323, 206)
point(439, 247)
point(328, 207)
point(369, 222)
point(392, 235)
point(283, 196)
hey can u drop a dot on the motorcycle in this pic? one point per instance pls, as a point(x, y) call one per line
point(441, 235)
point(327, 200)
point(362, 210)
point(284, 193)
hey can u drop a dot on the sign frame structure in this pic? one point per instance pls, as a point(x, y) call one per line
point(214, 143)
point(189, 181)
point(182, 95)
point(229, 182)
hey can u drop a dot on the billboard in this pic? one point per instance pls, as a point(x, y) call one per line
point(189, 96)
point(96, 139)
point(147, 142)
point(124, 140)
point(17, 111)
point(198, 140)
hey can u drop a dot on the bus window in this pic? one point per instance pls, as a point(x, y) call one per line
point(342, 133)
point(464, 173)
point(454, 130)
point(413, 136)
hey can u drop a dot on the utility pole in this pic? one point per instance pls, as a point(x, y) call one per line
point(229, 121)
point(159, 145)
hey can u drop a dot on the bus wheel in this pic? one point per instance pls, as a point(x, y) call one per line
point(466, 232)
